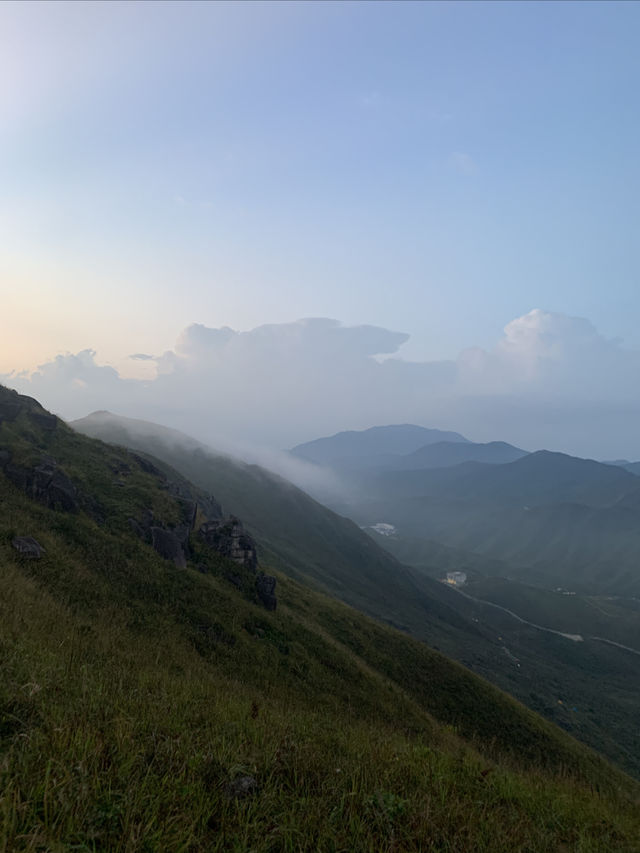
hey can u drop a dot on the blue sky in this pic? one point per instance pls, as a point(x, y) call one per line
point(438, 169)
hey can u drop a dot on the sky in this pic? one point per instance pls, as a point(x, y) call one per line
point(454, 186)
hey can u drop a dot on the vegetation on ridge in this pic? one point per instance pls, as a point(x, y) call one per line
point(149, 708)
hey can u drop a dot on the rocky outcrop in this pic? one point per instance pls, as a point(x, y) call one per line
point(169, 546)
point(28, 547)
point(228, 537)
point(147, 466)
point(12, 404)
point(172, 543)
point(45, 483)
point(52, 487)
point(44, 420)
point(265, 587)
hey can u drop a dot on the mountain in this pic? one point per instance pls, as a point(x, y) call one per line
point(312, 544)
point(536, 478)
point(151, 705)
point(371, 447)
point(442, 454)
point(632, 467)
point(548, 518)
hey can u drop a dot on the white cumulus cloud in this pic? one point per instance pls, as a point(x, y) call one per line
point(550, 381)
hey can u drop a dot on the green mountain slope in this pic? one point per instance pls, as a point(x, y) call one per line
point(308, 541)
point(615, 619)
point(592, 549)
point(149, 707)
point(534, 479)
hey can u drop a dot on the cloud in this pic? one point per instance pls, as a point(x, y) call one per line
point(551, 380)
point(142, 356)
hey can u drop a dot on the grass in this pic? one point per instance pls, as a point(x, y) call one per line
point(136, 697)
point(115, 742)
point(310, 543)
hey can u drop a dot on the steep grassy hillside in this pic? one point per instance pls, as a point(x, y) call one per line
point(147, 707)
point(295, 532)
point(308, 541)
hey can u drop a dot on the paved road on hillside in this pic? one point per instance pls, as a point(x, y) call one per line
point(576, 638)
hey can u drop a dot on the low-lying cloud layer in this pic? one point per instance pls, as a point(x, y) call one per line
point(551, 381)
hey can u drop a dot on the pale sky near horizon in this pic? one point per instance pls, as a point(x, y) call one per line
point(435, 169)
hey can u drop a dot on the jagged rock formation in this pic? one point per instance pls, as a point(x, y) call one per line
point(228, 537)
point(45, 483)
point(169, 546)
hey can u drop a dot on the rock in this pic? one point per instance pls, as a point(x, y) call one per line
point(147, 467)
point(52, 487)
point(189, 511)
point(9, 410)
point(242, 787)
point(228, 538)
point(236, 580)
point(167, 544)
point(210, 507)
point(265, 587)
point(28, 547)
point(137, 528)
point(19, 476)
point(44, 420)
point(46, 483)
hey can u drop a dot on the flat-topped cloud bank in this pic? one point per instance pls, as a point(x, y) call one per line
point(550, 381)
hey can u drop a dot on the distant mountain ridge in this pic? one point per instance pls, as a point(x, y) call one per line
point(632, 467)
point(534, 478)
point(442, 454)
point(358, 448)
point(402, 447)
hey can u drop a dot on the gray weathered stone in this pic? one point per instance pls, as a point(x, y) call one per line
point(52, 487)
point(228, 538)
point(242, 787)
point(28, 547)
point(167, 544)
point(265, 587)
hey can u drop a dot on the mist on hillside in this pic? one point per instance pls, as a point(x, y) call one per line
point(324, 483)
